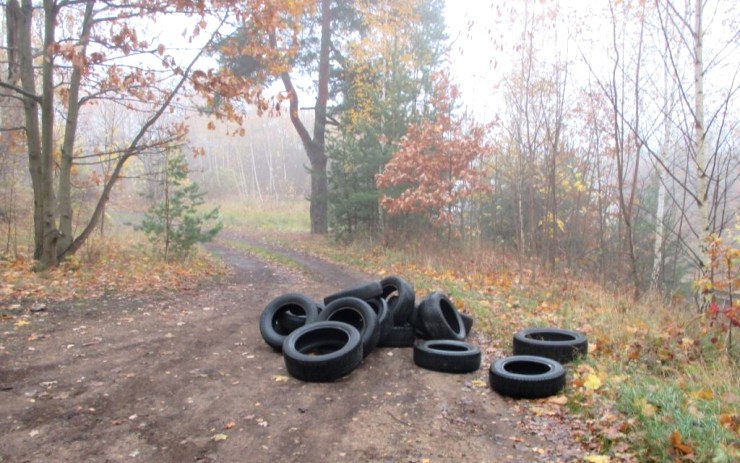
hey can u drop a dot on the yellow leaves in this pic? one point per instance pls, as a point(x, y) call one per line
point(280, 378)
point(645, 408)
point(478, 383)
point(20, 323)
point(597, 458)
point(219, 437)
point(592, 382)
point(703, 394)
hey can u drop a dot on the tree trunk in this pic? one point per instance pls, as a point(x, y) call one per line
point(70, 131)
point(702, 187)
point(315, 147)
point(31, 115)
point(660, 210)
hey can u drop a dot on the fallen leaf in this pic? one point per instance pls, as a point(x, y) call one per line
point(478, 383)
point(597, 458)
point(22, 323)
point(280, 378)
point(678, 444)
point(559, 400)
point(704, 394)
point(729, 421)
point(219, 437)
point(229, 425)
point(647, 409)
point(592, 382)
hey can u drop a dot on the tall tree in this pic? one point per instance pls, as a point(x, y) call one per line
point(93, 50)
point(386, 85)
point(315, 145)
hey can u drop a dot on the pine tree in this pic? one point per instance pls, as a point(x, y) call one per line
point(175, 223)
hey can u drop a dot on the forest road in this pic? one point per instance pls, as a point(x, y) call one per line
point(185, 376)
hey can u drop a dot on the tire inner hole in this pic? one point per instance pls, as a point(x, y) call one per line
point(448, 347)
point(321, 341)
point(350, 316)
point(390, 292)
point(550, 337)
point(524, 367)
point(449, 313)
point(288, 309)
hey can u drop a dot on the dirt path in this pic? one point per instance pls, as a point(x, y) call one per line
point(186, 377)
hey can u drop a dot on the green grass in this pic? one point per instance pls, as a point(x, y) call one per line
point(271, 216)
point(668, 414)
point(268, 255)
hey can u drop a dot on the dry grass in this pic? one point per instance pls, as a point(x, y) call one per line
point(667, 380)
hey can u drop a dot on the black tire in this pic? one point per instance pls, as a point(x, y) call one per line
point(272, 331)
point(371, 290)
point(357, 313)
point(322, 351)
point(447, 356)
point(399, 336)
point(385, 319)
point(560, 345)
point(400, 296)
point(290, 321)
point(467, 323)
point(526, 376)
point(439, 318)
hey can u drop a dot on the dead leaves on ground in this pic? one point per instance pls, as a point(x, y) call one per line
point(121, 271)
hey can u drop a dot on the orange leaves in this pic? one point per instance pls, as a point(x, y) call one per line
point(438, 162)
point(678, 444)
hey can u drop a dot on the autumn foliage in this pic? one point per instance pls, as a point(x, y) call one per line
point(438, 163)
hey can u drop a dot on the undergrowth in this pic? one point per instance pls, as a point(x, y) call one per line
point(660, 382)
point(120, 262)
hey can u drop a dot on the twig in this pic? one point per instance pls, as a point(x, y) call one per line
point(400, 421)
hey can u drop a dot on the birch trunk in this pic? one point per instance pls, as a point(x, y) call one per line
point(702, 184)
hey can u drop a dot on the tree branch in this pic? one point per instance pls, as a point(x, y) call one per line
point(26, 95)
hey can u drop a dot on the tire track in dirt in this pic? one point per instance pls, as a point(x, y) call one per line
point(155, 377)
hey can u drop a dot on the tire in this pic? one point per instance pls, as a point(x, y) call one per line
point(272, 331)
point(439, 318)
point(399, 336)
point(560, 345)
point(447, 356)
point(291, 321)
point(526, 376)
point(467, 323)
point(357, 313)
point(385, 319)
point(400, 296)
point(371, 290)
point(322, 351)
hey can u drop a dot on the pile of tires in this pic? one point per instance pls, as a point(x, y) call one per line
point(536, 368)
point(322, 342)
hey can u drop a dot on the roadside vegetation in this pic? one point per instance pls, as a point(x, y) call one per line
point(660, 383)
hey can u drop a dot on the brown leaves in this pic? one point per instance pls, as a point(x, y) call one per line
point(678, 444)
point(112, 269)
point(438, 162)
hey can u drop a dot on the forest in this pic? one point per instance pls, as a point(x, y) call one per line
point(548, 140)
point(609, 155)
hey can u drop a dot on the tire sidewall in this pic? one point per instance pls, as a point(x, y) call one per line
point(268, 318)
point(562, 351)
point(322, 367)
